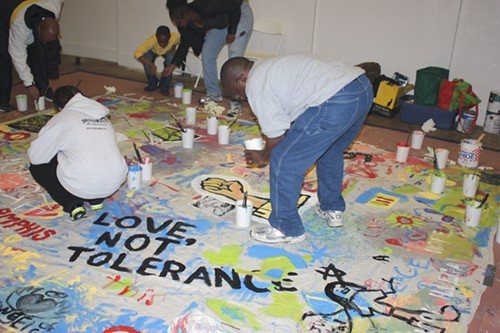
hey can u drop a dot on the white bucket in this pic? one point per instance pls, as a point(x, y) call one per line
point(492, 123)
point(468, 155)
point(494, 102)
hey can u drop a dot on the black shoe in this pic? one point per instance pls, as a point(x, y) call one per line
point(78, 213)
point(149, 88)
point(165, 93)
point(49, 95)
point(5, 107)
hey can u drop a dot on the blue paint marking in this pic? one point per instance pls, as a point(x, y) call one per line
point(264, 252)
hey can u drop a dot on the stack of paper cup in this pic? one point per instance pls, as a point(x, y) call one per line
point(471, 183)
point(134, 176)
point(191, 115)
point(243, 214)
point(212, 124)
point(188, 138)
point(186, 96)
point(147, 168)
point(417, 138)
point(178, 86)
point(442, 157)
point(223, 132)
point(473, 214)
point(437, 184)
point(22, 102)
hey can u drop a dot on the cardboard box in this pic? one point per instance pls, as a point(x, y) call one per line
point(418, 114)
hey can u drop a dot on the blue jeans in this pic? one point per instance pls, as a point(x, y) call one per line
point(214, 42)
point(164, 82)
point(319, 135)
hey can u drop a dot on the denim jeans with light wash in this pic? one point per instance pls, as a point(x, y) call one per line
point(318, 136)
point(214, 42)
point(164, 83)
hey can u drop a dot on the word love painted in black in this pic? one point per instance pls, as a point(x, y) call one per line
point(159, 236)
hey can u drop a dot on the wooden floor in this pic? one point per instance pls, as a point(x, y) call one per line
point(72, 63)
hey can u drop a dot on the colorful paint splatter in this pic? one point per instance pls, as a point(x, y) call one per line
point(168, 256)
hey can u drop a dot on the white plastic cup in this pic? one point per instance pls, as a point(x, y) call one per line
point(470, 185)
point(442, 157)
point(473, 214)
point(186, 96)
point(191, 115)
point(212, 124)
point(437, 184)
point(188, 138)
point(402, 151)
point(417, 139)
point(243, 214)
point(178, 86)
point(223, 132)
point(134, 176)
point(22, 102)
point(147, 169)
point(40, 105)
point(254, 144)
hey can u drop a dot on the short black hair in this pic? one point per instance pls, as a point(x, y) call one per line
point(163, 30)
point(175, 3)
point(63, 94)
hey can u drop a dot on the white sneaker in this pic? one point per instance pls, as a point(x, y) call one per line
point(208, 99)
point(267, 234)
point(334, 218)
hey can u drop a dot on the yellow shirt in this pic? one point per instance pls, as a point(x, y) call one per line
point(152, 44)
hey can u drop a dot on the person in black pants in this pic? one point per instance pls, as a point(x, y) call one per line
point(29, 34)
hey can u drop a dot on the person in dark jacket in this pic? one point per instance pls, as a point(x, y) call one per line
point(205, 26)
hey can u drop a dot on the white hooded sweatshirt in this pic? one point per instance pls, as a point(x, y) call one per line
point(90, 163)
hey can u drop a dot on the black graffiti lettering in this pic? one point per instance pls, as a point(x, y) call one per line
point(99, 259)
point(144, 244)
point(150, 223)
point(234, 281)
point(116, 265)
point(106, 238)
point(77, 251)
point(23, 320)
point(173, 268)
point(201, 274)
point(247, 281)
point(179, 227)
point(164, 244)
point(100, 220)
point(135, 222)
point(146, 265)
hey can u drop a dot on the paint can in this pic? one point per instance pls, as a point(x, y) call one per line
point(492, 119)
point(466, 121)
point(468, 155)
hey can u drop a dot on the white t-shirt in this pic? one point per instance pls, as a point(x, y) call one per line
point(280, 89)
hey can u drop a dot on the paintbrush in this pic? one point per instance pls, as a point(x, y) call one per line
point(245, 198)
point(178, 123)
point(480, 138)
point(484, 200)
point(436, 167)
point(137, 153)
point(232, 122)
point(78, 84)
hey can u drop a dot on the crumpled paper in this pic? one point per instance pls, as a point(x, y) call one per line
point(110, 89)
point(428, 126)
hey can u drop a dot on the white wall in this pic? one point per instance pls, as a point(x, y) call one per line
point(401, 35)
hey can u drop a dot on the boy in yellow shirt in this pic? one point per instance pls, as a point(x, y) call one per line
point(163, 44)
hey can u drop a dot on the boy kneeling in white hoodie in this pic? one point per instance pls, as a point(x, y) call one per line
point(76, 157)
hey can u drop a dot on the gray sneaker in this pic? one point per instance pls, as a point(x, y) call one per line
point(268, 234)
point(334, 218)
point(208, 99)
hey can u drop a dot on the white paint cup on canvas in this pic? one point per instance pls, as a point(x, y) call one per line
point(186, 96)
point(470, 185)
point(417, 139)
point(442, 157)
point(244, 214)
point(40, 104)
point(402, 150)
point(254, 144)
point(188, 138)
point(212, 124)
point(437, 184)
point(178, 86)
point(473, 213)
point(134, 176)
point(147, 169)
point(22, 102)
point(191, 115)
point(223, 132)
